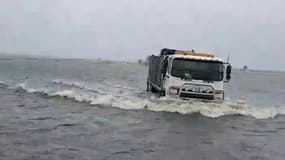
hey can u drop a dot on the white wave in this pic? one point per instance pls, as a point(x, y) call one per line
point(64, 93)
point(70, 94)
point(37, 90)
point(103, 100)
point(210, 109)
point(82, 97)
point(24, 87)
point(21, 85)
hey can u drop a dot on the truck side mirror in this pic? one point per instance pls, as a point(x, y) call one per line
point(228, 73)
point(229, 69)
point(228, 77)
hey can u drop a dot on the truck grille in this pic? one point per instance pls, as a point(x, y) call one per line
point(194, 95)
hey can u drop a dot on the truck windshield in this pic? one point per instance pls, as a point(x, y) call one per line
point(196, 69)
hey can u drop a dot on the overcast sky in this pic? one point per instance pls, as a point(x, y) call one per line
point(252, 31)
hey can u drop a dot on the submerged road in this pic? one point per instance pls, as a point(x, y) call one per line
point(37, 127)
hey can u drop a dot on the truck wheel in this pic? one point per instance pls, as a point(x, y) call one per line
point(153, 89)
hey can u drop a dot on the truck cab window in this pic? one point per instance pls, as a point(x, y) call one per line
point(208, 71)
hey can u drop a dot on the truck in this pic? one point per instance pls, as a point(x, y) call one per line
point(188, 75)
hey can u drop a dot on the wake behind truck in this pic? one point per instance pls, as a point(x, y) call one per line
point(188, 74)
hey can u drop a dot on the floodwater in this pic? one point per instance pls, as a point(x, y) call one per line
point(78, 109)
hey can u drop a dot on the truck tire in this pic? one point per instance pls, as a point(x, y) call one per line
point(153, 90)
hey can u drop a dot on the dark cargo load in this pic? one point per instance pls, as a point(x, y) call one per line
point(155, 69)
point(167, 51)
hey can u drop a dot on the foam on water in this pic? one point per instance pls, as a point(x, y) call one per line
point(208, 109)
point(72, 95)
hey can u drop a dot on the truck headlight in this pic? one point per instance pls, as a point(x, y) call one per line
point(174, 90)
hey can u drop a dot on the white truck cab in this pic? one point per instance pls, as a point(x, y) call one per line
point(188, 74)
